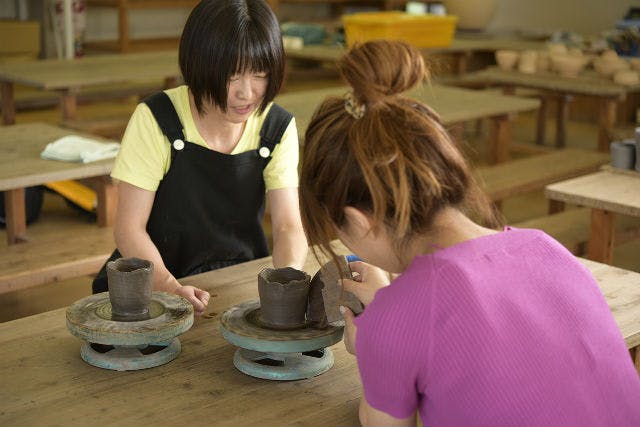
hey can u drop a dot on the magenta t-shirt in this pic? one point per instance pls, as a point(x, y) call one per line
point(502, 330)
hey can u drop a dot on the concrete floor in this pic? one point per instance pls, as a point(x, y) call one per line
point(56, 214)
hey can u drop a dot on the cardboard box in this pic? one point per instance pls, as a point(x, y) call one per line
point(19, 38)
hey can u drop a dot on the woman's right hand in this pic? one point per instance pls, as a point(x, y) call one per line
point(197, 297)
point(367, 281)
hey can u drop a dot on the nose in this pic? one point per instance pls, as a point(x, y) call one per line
point(243, 88)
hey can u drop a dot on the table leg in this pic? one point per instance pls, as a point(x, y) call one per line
point(500, 135)
point(8, 103)
point(601, 236)
point(69, 105)
point(15, 216)
point(107, 194)
point(606, 121)
point(541, 125)
point(562, 119)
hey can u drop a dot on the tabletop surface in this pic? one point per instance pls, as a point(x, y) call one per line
point(94, 70)
point(608, 190)
point(587, 83)
point(45, 382)
point(454, 105)
point(20, 162)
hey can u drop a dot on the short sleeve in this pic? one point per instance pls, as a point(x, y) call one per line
point(282, 169)
point(143, 159)
point(386, 360)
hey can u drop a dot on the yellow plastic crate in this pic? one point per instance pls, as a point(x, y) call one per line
point(419, 30)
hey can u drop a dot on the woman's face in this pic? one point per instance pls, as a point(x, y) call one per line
point(245, 94)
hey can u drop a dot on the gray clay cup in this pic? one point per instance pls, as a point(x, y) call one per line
point(623, 154)
point(130, 288)
point(283, 297)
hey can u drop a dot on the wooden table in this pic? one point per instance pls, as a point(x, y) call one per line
point(67, 77)
point(605, 92)
point(21, 167)
point(455, 105)
point(46, 383)
point(607, 192)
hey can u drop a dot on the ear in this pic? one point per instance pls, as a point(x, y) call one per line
point(359, 223)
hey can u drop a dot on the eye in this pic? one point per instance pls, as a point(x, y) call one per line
point(260, 76)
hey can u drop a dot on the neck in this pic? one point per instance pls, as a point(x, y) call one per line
point(219, 133)
point(450, 227)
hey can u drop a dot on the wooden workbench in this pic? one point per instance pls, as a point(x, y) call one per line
point(455, 105)
point(21, 167)
point(46, 383)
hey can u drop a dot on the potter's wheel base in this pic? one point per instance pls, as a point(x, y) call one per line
point(130, 358)
point(283, 366)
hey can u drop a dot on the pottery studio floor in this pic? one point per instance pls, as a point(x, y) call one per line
point(57, 217)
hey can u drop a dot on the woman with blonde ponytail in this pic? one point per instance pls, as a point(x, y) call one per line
point(483, 325)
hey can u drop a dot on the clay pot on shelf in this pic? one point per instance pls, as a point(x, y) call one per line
point(568, 65)
point(543, 62)
point(130, 288)
point(472, 15)
point(626, 77)
point(506, 59)
point(528, 62)
point(607, 67)
point(283, 297)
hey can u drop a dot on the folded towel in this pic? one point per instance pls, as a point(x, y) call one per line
point(74, 148)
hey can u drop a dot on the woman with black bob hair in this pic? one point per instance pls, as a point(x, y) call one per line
point(197, 160)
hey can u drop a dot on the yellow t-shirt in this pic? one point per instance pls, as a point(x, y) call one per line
point(145, 154)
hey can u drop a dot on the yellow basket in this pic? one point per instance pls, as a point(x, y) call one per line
point(419, 30)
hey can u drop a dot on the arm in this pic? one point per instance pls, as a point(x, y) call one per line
point(369, 416)
point(289, 241)
point(132, 240)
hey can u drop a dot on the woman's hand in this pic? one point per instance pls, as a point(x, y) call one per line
point(367, 281)
point(197, 297)
point(350, 330)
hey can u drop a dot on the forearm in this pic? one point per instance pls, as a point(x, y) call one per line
point(132, 243)
point(289, 247)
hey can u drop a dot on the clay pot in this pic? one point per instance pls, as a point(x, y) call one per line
point(623, 154)
point(626, 77)
point(568, 65)
point(283, 297)
point(608, 66)
point(528, 60)
point(130, 288)
point(557, 49)
point(506, 59)
point(543, 62)
point(472, 14)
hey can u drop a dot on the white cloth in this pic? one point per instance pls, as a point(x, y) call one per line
point(74, 148)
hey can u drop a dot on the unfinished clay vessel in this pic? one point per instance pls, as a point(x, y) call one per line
point(528, 62)
point(130, 288)
point(568, 65)
point(283, 297)
point(506, 59)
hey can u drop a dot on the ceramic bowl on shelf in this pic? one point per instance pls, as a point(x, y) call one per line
point(568, 65)
point(626, 77)
point(506, 59)
point(608, 67)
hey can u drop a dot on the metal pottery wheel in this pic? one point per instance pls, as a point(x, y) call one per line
point(127, 346)
point(277, 354)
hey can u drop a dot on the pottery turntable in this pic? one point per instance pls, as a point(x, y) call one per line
point(130, 327)
point(286, 335)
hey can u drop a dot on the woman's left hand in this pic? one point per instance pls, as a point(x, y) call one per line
point(350, 330)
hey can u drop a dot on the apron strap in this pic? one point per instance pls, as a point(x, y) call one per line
point(166, 116)
point(272, 130)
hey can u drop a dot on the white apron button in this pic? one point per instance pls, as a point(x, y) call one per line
point(178, 144)
point(264, 152)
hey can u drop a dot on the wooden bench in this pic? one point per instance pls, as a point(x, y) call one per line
point(571, 228)
point(55, 257)
point(520, 176)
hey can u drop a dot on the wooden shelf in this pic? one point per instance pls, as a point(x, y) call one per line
point(124, 43)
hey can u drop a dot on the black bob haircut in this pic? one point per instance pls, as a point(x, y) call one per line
point(222, 38)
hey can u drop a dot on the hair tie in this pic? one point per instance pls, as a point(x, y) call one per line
point(352, 106)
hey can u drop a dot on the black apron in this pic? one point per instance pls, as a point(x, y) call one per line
point(208, 209)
